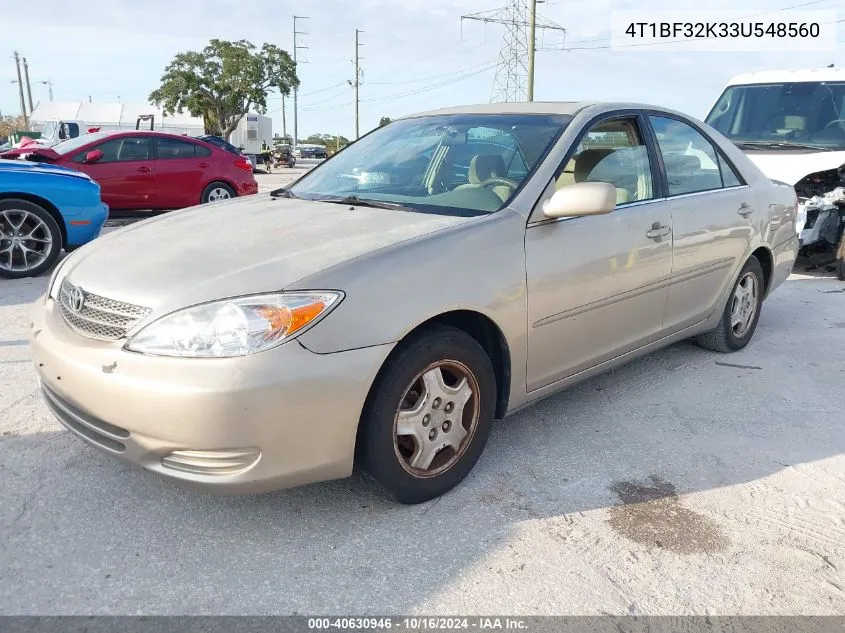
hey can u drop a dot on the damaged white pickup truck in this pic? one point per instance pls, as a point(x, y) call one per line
point(791, 123)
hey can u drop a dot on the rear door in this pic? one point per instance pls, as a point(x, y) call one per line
point(181, 171)
point(713, 212)
point(125, 172)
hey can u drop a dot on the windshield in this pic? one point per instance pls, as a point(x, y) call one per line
point(453, 164)
point(66, 147)
point(809, 113)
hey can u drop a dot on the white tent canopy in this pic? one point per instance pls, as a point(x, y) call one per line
point(113, 116)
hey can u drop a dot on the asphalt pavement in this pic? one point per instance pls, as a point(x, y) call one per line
point(684, 482)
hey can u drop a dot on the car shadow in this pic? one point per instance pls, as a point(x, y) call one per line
point(85, 533)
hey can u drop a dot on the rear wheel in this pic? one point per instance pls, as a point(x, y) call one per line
point(429, 415)
point(217, 191)
point(742, 312)
point(30, 239)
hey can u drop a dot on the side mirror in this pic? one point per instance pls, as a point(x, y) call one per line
point(93, 156)
point(581, 198)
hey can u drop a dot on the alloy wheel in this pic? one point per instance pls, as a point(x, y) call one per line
point(25, 240)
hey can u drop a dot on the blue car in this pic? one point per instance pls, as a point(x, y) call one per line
point(44, 209)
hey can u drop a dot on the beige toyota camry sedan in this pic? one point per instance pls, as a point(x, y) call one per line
point(442, 272)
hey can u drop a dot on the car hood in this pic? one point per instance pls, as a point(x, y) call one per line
point(40, 150)
point(238, 247)
point(20, 166)
point(791, 167)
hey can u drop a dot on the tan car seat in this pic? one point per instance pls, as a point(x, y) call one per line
point(585, 164)
point(485, 166)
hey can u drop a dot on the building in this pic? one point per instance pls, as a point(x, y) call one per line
point(112, 116)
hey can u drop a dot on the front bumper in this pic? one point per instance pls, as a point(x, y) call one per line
point(94, 217)
point(276, 419)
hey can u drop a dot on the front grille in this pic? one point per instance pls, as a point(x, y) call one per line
point(99, 317)
point(95, 431)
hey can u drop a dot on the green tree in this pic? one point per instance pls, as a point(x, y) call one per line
point(384, 121)
point(224, 82)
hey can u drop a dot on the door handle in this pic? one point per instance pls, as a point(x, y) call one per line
point(745, 209)
point(144, 170)
point(204, 165)
point(658, 230)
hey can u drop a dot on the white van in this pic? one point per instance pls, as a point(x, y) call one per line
point(791, 123)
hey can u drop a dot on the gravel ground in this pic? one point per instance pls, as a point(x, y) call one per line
point(685, 482)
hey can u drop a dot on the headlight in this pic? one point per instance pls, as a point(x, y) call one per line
point(58, 275)
point(234, 327)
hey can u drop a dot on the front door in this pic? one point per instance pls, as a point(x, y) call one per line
point(712, 215)
point(124, 172)
point(597, 285)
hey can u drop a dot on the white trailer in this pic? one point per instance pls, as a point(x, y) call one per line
point(253, 131)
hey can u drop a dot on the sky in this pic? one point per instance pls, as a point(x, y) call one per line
point(416, 54)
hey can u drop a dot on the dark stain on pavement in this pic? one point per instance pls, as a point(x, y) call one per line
point(652, 515)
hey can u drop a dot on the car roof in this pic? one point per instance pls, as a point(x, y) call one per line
point(789, 76)
point(149, 132)
point(546, 107)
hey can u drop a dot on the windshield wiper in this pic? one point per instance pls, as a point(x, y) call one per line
point(355, 201)
point(283, 192)
point(781, 144)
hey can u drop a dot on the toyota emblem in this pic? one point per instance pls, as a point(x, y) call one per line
point(76, 299)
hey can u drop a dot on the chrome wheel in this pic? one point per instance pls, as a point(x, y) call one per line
point(436, 419)
point(25, 240)
point(744, 304)
point(218, 193)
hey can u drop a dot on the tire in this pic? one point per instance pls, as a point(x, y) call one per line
point(725, 337)
point(38, 233)
point(388, 455)
point(217, 191)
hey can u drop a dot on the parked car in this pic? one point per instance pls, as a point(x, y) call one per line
point(150, 170)
point(220, 142)
point(312, 151)
point(44, 209)
point(376, 316)
point(791, 123)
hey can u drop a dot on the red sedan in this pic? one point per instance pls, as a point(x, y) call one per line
point(151, 170)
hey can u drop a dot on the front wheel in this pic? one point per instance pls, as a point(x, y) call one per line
point(742, 312)
point(217, 191)
point(428, 415)
point(30, 239)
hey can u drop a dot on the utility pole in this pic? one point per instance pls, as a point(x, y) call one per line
point(284, 123)
point(532, 46)
point(357, 83)
point(296, 47)
point(20, 89)
point(514, 80)
point(49, 84)
point(26, 79)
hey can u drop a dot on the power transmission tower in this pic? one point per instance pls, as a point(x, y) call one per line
point(514, 79)
point(296, 47)
point(20, 89)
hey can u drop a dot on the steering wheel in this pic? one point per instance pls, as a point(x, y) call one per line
point(839, 122)
point(498, 180)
